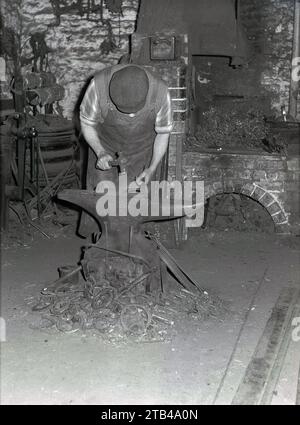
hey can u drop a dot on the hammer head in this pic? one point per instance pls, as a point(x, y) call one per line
point(120, 162)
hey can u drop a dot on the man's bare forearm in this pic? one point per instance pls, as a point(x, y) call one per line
point(159, 149)
point(91, 136)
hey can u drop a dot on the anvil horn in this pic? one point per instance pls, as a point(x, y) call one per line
point(84, 199)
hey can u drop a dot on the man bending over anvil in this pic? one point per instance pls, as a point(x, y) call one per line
point(125, 109)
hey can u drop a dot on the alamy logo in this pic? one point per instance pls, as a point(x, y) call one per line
point(2, 330)
point(158, 199)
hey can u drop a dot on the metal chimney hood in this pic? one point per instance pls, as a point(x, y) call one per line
point(213, 26)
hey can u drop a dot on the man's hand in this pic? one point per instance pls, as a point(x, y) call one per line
point(103, 161)
point(145, 176)
point(159, 149)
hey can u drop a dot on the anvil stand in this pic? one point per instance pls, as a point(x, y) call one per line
point(126, 236)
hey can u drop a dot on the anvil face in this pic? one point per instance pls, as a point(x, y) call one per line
point(138, 207)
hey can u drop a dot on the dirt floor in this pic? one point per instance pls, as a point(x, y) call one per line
point(203, 363)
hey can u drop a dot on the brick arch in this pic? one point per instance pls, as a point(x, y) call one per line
point(257, 193)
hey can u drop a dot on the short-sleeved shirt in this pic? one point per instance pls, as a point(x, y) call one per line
point(91, 113)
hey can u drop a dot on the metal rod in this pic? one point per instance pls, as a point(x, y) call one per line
point(177, 88)
point(31, 159)
point(53, 285)
point(43, 164)
point(236, 344)
point(130, 238)
point(21, 146)
point(115, 251)
point(47, 178)
point(294, 86)
point(275, 373)
point(37, 228)
point(134, 283)
point(37, 178)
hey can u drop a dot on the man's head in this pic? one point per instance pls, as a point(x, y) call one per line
point(128, 89)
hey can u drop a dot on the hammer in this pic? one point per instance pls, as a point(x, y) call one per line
point(119, 162)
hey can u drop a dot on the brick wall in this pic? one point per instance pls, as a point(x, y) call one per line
point(272, 180)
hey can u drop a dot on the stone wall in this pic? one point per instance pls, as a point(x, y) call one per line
point(269, 27)
point(75, 43)
point(265, 80)
point(271, 180)
point(9, 41)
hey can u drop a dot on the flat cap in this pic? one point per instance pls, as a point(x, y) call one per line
point(128, 89)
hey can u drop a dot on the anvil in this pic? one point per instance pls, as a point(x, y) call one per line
point(87, 200)
point(119, 230)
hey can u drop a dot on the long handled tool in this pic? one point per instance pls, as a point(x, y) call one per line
point(183, 278)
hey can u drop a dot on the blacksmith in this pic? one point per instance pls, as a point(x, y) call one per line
point(126, 108)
